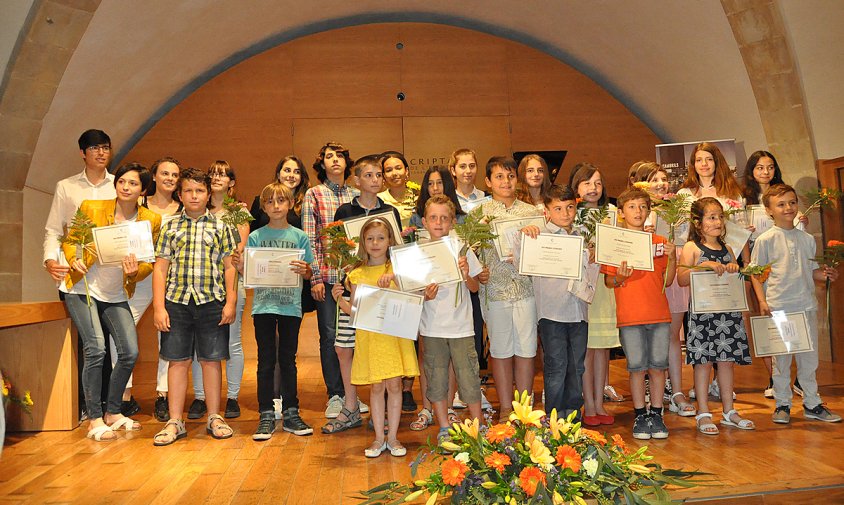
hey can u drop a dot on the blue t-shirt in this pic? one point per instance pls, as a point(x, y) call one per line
point(280, 301)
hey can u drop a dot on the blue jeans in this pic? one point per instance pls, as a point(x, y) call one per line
point(234, 365)
point(645, 346)
point(89, 322)
point(326, 313)
point(564, 348)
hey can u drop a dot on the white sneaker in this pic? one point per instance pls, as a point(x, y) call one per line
point(364, 408)
point(458, 403)
point(485, 405)
point(334, 407)
point(277, 408)
point(769, 392)
point(692, 394)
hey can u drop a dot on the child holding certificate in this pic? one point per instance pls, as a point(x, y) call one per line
point(562, 315)
point(643, 327)
point(446, 325)
point(718, 337)
point(380, 360)
point(278, 311)
point(790, 288)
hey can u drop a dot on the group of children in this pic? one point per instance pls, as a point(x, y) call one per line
point(194, 297)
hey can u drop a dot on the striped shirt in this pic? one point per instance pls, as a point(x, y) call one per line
point(195, 249)
point(318, 209)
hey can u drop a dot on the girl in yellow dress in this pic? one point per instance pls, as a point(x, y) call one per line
point(380, 360)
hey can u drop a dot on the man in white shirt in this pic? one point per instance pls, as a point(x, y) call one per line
point(94, 183)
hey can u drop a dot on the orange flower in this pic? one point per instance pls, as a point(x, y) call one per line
point(835, 243)
point(594, 435)
point(333, 224)
point(530, 478)
point(454, 472)
point(497, 460)
point(619, 442)
point(764, 275)
point(567, 457)
point(500, 432)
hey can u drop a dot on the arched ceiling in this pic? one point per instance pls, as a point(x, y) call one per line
point(674, 64)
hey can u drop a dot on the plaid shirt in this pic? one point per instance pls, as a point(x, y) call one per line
point(195, 249)
point(318, 209)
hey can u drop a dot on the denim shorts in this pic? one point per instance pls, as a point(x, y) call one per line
point(195, 329)
point(645, 346)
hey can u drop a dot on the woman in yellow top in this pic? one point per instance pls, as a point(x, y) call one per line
point(396, 174)
point(102, 299)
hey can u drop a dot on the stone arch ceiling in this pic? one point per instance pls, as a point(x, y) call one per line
point(138, 59)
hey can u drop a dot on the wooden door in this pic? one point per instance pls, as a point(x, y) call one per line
point(831, 175)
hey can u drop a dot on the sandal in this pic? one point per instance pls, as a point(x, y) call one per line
point(742, 424)
point(423, 419)
point(453, 418)
point(337, 425)
point(681, 408)
point(707, 428)
point(221, 426)
point(126, 423)
point(98, 432)
point(167, 437)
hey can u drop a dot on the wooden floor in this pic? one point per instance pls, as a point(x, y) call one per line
point(775, 464)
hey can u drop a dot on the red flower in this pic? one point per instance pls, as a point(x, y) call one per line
point(497, 460)
point(530, 478)
point(567, 457)
point(454, 472)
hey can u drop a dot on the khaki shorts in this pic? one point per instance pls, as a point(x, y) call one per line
point(437, 352)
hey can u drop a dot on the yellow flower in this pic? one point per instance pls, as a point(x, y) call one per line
point(540, 454)
point(414, 495)
point(470, 427)
point(579, 501)
point(524, 413)
point(645, 186)
point(450, 446)
point(5, 390)
point(639, 468)
point(412, 185)
point(488, 484)
point(557, 426)
point(27, 400)
point(558, 500)
point(433, 499)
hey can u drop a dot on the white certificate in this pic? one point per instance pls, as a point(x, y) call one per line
point(614, 245)
point(354, 225)
point(737, 236)
point(115, 242)
point(506, 229)
point(386, 311)
point(781, 333)
point(713, 293)
point(759, 219)
point(416, 265)
point(471, 205)
point(552, 255)
point(269, 267)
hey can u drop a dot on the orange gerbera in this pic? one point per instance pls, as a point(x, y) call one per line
point(594, 435)
point(764, 275)
point(834, 243)
point(500, 432)
point(530, 478)
point(567, 457)
point(454, 472)
point(497, 460)
point(619, 442)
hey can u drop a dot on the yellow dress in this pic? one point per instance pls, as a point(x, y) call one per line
point(379, 356)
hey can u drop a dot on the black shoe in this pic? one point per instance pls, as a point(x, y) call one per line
point(232, 408)
point(294, 424)
point(642, 427)
point(658, 428)
point(162, 409)
point(797, 389)
point(408, 404)
point(130, 407)
point(197, 409)
point(266, 427)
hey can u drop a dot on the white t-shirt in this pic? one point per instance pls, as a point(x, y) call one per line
point(441, 318)
point(791, 253)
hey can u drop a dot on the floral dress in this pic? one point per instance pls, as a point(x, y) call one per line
point(720, 336)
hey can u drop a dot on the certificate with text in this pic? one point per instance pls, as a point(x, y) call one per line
point(354, 225)
point(386, 311)
point(115, 242)
point(711, 292)
point(471, 205)
point(552, 255)
point(506, 229)
point(614, 245)
point(781, 333)
point(269, 267)
point(737, 235)
point(759, 218)
point(416, 265)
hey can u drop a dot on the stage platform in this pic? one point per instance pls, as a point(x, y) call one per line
point(775, 464)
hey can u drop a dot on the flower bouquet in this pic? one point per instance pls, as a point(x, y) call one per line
point(79, 234)
point(476, 233)
point(587, 219)
point(24, 402)
point(340, 253)
point(752, 270)
point(411, 194)
point(832, 256)
point(235, 214)
point(821, 197)
point(534, 459)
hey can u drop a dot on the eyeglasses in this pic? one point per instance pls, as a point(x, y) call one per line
point(104, 148)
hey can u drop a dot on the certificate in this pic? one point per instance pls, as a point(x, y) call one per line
point(386, 311)
point(552, 255)
point(416, 265)
point(471, 205)
point(759, 219)
point(354, 225)
point(781, 333)
point(115, 242)
point(737, 236)
point(506, 229)
point(585, 287)
point(711, 292)
point(269, 267)
point(614, 245)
